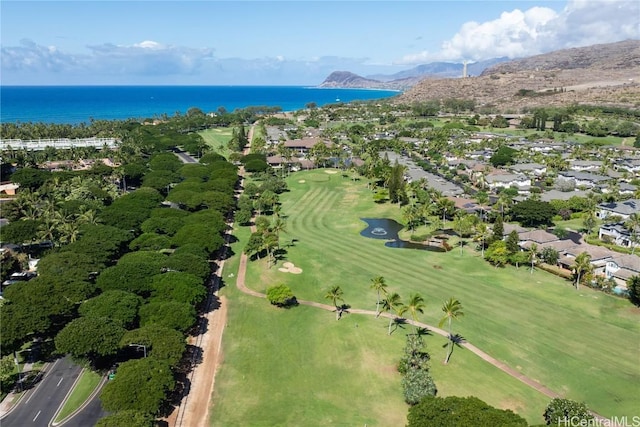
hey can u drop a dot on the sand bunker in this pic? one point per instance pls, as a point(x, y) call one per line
point(288, 267)
point(330, 171)
point(302, 181)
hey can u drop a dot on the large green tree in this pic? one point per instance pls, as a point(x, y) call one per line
point(177, 286)
point(454, 411)
point(117, 305)
point(172, 314)
point(634, 290)
point(414, 367)
point(127, 418)
point(533, 213)
point(162, 343)
point(90, 337)
point(139, 385)
point(561, 410)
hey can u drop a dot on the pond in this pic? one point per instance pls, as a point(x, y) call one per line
point(388, 229)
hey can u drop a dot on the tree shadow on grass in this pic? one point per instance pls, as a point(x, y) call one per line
point(398, 323)
point(343, 309)
point(457, 340)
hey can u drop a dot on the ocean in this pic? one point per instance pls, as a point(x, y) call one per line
point(77, 104)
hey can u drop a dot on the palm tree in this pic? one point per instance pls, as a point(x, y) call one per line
point(452, 309)
point(533, 250)
point(335, 295)
point(482, 198)
point(581, 266)
point(89, 217)
point(279, 226)
point(379, 285)
point(482, 234)
point(633, 224)
point(415, 305)
point(393, 303)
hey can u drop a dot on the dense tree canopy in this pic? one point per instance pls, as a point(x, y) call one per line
point(172, 314)
point(561, 410)
point(533, 213)
point(120, 306)
point(128, 418)
point(139, 385)
point(503, 156)
point(163, 343)
point(23, 231)
point(90, 337)
point(454, 411)
point(69, 264)
point(177, 286)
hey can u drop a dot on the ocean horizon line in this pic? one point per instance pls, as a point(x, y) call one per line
point(202, 85)
point(81, 103)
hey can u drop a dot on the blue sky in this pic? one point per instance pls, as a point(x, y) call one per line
point(284, 42)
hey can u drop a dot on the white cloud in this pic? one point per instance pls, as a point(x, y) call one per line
point(29, 55)
point(145, 58)
point(153, 62)
point(537, 30)
point(149, 44)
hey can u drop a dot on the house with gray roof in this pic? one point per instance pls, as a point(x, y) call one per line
point(584, 179)
point(497, 181)
point(630, 164)
point(622, 268)
point(530, 169)
point(618, 234)
point(585, 165)
point(623, 209)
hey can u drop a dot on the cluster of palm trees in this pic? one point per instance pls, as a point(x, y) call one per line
point(392, 303)
point(47, 205)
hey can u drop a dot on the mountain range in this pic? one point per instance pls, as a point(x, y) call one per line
point(607, 74)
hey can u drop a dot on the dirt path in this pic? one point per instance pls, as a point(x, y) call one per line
point(240, 283)
point(194, 408)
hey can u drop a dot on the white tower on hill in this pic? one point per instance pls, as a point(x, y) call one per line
point(464, 69)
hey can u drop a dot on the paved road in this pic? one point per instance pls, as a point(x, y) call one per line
point(185, 157)
point(88, 416)
point(39, 405)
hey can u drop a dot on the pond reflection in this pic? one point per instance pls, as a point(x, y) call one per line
point(388, 229)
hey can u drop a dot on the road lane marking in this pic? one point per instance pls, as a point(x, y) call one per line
point(34, 418)
point(59, 382)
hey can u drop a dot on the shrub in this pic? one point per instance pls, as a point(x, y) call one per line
point(560, 410)
point(281, 296)
point(455, 411)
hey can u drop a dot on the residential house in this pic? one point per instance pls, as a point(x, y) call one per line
point(599, 256)
point(618, 234)
point(470, 206)
point(585, 179)
point(497, 181)
point(302, 146)
point(623, 209)
point(585, 165)
point(529, 169)
point(630, 164)
point(537, 237)
point(621, 268)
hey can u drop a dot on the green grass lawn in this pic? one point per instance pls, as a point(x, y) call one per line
point(217, 139)
point(301, 367)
